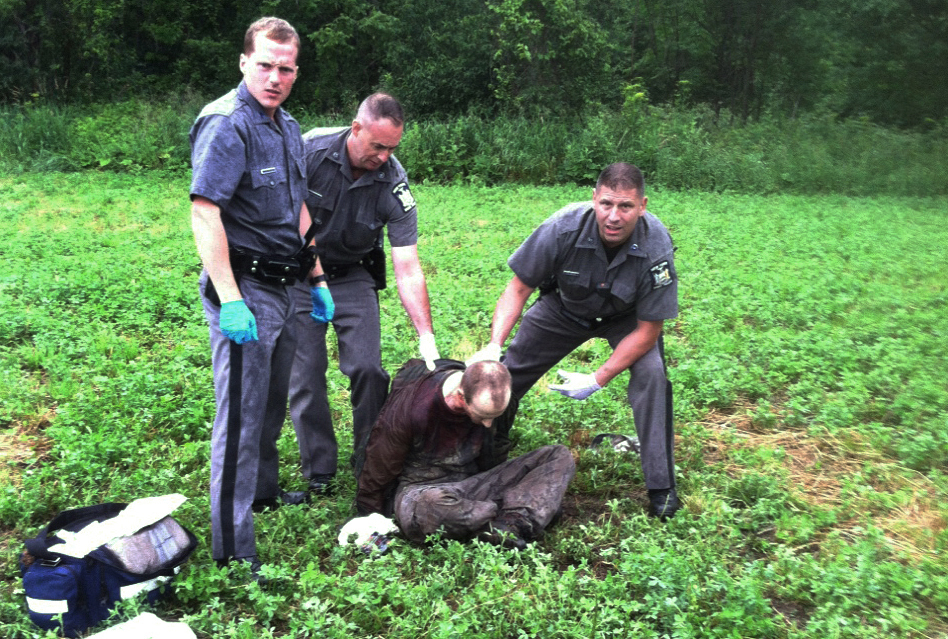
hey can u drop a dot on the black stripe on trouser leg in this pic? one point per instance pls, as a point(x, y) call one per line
point(669, 415)
point(231, 449)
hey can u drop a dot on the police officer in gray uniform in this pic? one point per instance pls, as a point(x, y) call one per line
point(605, 269)
point(249, 219)
point(356, 189)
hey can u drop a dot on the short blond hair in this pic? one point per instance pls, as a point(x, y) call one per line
point(275, 29)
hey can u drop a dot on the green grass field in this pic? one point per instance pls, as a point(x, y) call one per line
point(808, 362)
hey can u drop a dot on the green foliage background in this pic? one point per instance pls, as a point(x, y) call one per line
point(804, 318)
point(884, 60)
point(797, 151)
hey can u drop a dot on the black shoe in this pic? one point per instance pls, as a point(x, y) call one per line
point(664, 503)
point(507, 531)
point(255, 567)
point(296, 498)
point(322, 485)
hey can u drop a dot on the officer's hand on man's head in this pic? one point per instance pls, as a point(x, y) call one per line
point(491, 352)
point(577, 385)
point(237, 322)
point(429, 350)
point(324, 309)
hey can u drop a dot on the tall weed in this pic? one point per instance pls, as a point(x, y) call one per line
point(132, 136)
point(35, 137)
point(677, 147)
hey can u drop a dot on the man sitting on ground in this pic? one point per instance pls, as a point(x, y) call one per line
point(427, 461)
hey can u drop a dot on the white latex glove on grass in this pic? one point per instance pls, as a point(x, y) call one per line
point(364, 527)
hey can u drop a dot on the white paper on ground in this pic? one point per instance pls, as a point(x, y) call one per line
point(138, 514)
point(147, 626)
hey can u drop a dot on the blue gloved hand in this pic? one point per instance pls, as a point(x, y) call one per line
point(577, 385)
point(324, 309)
point(237, 322)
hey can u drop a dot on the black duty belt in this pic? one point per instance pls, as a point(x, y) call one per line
point(334, 271)
point(591, 324)
point(582, 322)
point(270, 269)
point(373, 262)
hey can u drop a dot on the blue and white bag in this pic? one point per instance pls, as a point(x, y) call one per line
point(71, 594)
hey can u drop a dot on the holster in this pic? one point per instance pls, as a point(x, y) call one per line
point(374, 263)
point(307, 260)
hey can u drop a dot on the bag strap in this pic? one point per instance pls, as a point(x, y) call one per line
point(38, 546)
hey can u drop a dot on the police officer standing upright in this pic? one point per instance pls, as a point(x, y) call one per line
point(356, 188)
point(605, 269)
point(249, 219)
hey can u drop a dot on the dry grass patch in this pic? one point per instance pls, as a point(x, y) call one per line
point(21, 445)
point(820, 470)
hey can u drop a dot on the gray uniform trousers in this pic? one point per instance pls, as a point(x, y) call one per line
point(545, 337)
point(531, 485)
point(359, 333)
point(251, 382)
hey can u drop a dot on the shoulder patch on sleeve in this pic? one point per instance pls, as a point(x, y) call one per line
point(661, 276)
point(224, 105)
point(404, 196)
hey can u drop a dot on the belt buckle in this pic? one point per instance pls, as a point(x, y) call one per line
point(278, 270)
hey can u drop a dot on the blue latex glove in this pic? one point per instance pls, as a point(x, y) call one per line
point(324, 309)
point(238, 323)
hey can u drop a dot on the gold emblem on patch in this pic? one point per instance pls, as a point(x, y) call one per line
point(661, 276)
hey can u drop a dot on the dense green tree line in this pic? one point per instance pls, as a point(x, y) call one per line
point(881, 59)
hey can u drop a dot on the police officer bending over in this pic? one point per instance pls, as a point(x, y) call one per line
point(605, 269)
point(357, 189)
point(249, 220)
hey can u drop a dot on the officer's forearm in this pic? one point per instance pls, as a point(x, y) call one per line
point(412, 287)
point(317, 271)
point(629, 350)
point(414, 295)
point(211, 241)
point(508, 310)
point(305, 220)
point(305, 224)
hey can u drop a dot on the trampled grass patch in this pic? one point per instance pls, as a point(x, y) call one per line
point(811, 408)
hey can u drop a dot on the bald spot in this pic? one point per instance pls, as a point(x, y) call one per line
point(486, 385)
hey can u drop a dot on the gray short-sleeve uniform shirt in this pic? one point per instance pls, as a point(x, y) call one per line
point(351, 213)
point(641, 278)
point(253, 168)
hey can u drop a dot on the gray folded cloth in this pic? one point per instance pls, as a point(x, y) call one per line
point(152, 547)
